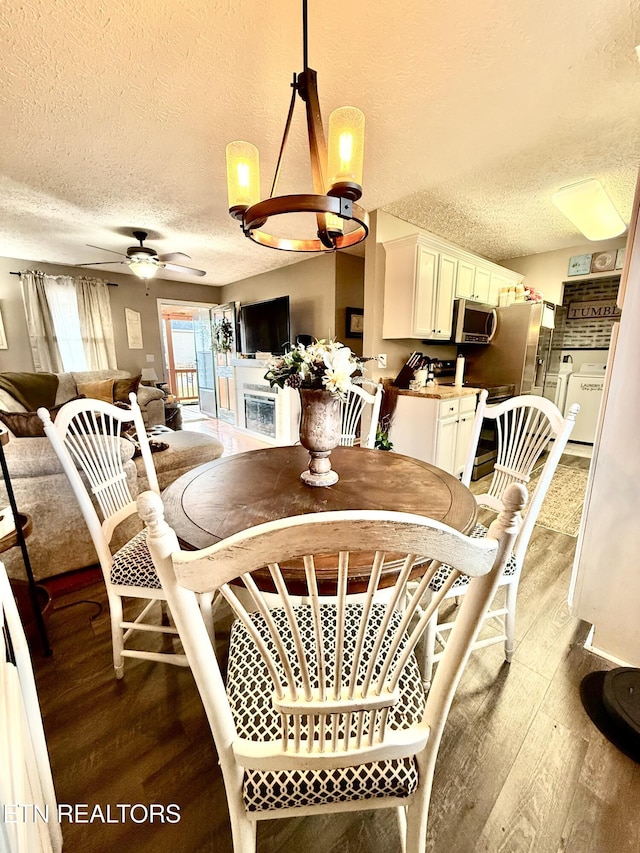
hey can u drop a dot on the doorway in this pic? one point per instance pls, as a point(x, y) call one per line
point(185, 332)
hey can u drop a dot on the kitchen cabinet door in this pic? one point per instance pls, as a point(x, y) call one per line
point(466, 280)
point(463, 440)
point(481, 287)
point(446, 441)
point(496, 283)
point(443, 313)
point(425, 295)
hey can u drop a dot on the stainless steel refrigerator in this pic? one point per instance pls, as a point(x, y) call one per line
point(519, 352)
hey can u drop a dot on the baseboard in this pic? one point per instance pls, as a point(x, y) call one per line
point(588, 645)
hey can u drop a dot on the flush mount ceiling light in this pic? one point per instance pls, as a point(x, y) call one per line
point(590, 209)
point(337, 178)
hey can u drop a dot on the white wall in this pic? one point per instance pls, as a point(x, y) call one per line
point(548, 271)
point(606, 583)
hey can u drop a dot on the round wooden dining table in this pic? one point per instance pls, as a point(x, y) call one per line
point(233, 493)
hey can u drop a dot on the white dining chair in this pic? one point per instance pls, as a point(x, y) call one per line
point(351, 415)
point(526, 427)
point(29, 821)
point(87, 437)
point(323, 708)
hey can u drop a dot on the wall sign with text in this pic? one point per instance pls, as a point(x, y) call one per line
point(600, 309)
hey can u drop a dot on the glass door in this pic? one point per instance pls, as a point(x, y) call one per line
point(204, 361)
point(223, 333)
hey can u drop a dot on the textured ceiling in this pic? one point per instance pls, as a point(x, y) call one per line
point(116, 115)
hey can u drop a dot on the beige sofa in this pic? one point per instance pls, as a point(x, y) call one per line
point(60, 541)
point(150, 399)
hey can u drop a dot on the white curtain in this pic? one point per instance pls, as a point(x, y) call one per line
point(69, 320)
point(42, 336)
point(96, 324)
point(63, 305)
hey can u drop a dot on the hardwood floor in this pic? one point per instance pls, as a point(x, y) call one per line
point(521, 767)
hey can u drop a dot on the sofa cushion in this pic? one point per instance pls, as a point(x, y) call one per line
point(31, 389)
point(96, 375)
point(9, 403)
point(36, 458)
point(98, 390)
point(28, 424)
point(67, 388)
point(123, 387)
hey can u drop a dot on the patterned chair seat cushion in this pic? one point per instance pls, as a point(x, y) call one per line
point(479, 532)
point(132, 564)
point(250, 691)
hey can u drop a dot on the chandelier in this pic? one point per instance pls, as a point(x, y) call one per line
point(336, 171)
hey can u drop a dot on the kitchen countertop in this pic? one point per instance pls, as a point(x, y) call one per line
point(440, 392)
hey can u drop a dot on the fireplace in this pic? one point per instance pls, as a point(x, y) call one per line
point(260, 414)
point(270, 414)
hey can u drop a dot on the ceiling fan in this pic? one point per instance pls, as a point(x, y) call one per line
point(144, 261)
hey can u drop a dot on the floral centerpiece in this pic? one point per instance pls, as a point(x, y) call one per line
point(323, 365)
point(322, 373)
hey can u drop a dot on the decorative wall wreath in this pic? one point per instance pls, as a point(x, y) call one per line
point(222, 335)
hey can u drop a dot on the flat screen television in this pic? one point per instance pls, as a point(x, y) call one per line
point(264, 326)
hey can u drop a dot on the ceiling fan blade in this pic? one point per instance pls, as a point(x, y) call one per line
point(174, 256)
point(180, 268)
point(100, 263)
point(102, 249)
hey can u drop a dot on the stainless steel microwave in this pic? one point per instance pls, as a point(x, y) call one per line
point(473, 322)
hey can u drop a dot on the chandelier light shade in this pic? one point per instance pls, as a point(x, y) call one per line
point(243, 175)
point(587, 206)
point(337, 220)
point(346, 149)
point(144, 267)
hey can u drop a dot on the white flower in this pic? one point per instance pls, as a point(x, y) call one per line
point(327, 364)
point(340, 360)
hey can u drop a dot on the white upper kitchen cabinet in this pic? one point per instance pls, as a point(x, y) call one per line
point(423, 275)
point(419, 290)
point(466, 280)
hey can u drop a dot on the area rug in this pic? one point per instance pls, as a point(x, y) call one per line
point(562, 507)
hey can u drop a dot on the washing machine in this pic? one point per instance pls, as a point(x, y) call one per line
point(586, 387)
point(555, 385)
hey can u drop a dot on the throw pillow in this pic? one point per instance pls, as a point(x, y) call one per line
point(28, 424)
point(102, 390)
point(123, 387)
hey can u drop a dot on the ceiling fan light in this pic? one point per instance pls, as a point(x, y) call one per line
point(144, 268)
point(346, 148)
point(587, 206)
point(243, 176)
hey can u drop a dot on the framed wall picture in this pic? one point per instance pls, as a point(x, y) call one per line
point(603, 261)
point(3, 337)
point(355, 323)
point(580, 265)
point(134, 328)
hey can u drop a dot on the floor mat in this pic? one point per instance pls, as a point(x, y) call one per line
point(561, 509)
